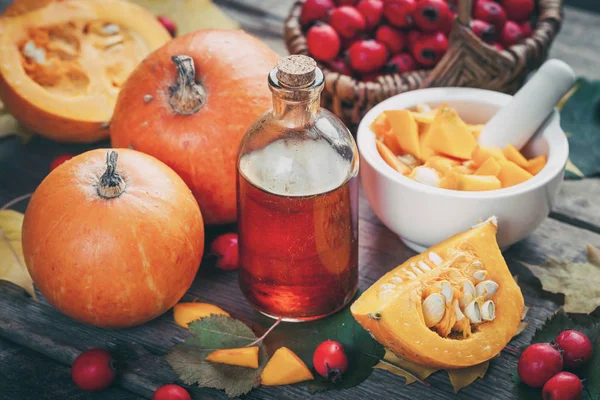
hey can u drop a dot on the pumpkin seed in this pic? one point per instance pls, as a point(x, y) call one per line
point(486, 288)
point(473, 312)
point(434, 308)
point(435, 258)
point(488, 310)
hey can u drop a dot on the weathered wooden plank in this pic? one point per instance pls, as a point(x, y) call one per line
point(578, 203)
point(40, 327)
point(28, 375)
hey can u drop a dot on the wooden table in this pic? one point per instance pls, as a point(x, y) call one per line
point(37, 344)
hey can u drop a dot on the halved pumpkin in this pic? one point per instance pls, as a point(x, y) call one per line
point(63, 62)
point(453, 306)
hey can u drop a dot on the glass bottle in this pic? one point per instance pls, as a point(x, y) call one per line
point(297, 195)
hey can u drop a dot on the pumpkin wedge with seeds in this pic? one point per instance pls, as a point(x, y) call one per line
point(453, 306)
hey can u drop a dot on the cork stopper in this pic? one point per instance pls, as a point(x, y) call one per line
point(296, 71)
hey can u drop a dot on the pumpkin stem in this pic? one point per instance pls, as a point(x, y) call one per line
point(111, 184)
point(187, 96)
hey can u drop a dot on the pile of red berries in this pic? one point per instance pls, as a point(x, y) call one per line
point(367, 38)
point(541, 365)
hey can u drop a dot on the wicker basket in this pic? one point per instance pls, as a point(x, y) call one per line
point(469, 62)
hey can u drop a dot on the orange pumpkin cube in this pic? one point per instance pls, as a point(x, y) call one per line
point(391, 159)
point(449, 135)
point(536, 164)
point(511, 174)
point(482, 153)
point(489, 167)
point(406, 130)
point(514, 155)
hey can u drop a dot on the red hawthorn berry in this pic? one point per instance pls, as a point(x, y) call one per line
point(340, 66)
point(347, 21)
point(400, 13)
point(527, 28)
point(60, 160)
point(169, 25)
point(403, 62)
point(538, 363)
point(323, 42)
point(412, 37)
point(330, 360)
point(446, 25)
point(511, 34)
point(315, 10)
point(93, 370)
point(430, 15)
point(226, 248)
point(491, 12)
point(563, 386)
point(367, 56)
point(372, 10)
point(429, 48)
point(498, 46)
point(576, 347)
point(171, 392)
point(484, 30)
point(518, 10)
point(346, 2)
point(393, 39)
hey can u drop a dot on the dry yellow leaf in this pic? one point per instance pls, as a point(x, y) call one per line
point(461, 378)
point(190, 15)
point(12, 263)
point(401, 367)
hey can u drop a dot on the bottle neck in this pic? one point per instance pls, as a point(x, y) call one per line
point(296, 112)
point(295, 107)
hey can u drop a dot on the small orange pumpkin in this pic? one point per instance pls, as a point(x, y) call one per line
point(113, 245)
point(190, 103)
point(63, 62)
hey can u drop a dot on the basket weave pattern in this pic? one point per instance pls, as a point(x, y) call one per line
point(468, 63)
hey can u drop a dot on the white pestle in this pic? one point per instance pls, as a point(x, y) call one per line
point(518, 121)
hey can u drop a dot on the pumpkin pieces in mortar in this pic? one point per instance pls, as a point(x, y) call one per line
point(459, 289)
point(190, 103)
point(64, 62)
point(437, 148)
point(113, 238)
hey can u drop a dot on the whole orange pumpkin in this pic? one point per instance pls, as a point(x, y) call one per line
point(189, 103)
point(113, 239)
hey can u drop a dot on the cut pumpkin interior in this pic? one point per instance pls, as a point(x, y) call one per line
point(184, 313)
point(242, 357)
point(64, 62)
point(285, 368)
point(453, 306)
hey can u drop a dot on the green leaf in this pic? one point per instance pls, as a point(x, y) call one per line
point(12, 262)
point(580, 116)
point(579, 282)
point(589, 373)
point(209, 334)
point(363, 352)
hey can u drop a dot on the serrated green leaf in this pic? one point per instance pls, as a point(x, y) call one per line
point(579, 282)
point(580, 116)
point(363, 352)
point(207, 335)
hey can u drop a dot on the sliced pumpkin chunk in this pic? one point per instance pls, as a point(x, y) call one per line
point(184, 313)
point(482, 153)
point(285, 368)
point(424, 117)
point(489, 167)
point(514, 155)
point(442, 164)
point(425, 142)
point(536, 164)
point(243, 357)
point(467, 168)
point(383, 131)
point(453, 306)
point(391, 159)
point(406, 130)
point(449, 135)
point(476, 130)
point(478, 182)
point(511, 174)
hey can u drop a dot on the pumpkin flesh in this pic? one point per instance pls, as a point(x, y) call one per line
point(395, 316)
point(63, 63)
